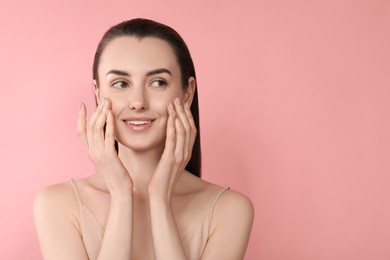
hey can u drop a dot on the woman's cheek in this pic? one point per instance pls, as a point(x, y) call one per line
point(163, 108)
point(117, 104)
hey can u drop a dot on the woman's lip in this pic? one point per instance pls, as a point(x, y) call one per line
point(138, 124)
point(138, 119)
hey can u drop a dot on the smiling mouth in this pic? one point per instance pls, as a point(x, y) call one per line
point(138, 122)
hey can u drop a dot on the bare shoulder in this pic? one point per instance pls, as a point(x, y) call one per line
point(190, 184)
point(232, 200)
point(56, 216)
point(60, 192)
point(56, 201)
point(56, 189)
point(231, 203)
point(231, 222)
point(235, 208)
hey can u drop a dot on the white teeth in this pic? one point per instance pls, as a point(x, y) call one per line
point(138, 122)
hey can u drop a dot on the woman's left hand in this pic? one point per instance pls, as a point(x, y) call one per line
point(180, 139)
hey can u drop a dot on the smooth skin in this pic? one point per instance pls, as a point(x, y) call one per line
point(143, 196)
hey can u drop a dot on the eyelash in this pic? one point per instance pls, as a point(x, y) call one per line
point(123, 83)
point(161, 84)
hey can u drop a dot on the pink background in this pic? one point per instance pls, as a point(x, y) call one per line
point(295, 113)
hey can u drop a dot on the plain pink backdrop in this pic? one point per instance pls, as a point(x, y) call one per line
point(295, 113)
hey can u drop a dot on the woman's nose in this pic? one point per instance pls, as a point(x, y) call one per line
point(138, 100)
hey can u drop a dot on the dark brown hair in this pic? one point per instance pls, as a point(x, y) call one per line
point(141, 28)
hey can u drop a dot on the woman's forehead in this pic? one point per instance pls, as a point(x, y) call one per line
point(138, 55)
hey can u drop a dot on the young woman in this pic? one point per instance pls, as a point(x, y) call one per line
point(146, 200)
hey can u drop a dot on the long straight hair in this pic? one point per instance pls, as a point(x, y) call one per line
point(142, 28)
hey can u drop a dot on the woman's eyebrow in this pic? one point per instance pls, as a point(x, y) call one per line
point(118, 72)
point(158, 71)
point(150, 73)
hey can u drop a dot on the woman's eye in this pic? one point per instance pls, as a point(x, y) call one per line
point(119, 84)
point(159, 83)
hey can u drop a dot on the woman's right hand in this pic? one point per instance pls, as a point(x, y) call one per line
point(101, 147)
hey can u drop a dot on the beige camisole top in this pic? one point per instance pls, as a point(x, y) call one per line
point(194, 239)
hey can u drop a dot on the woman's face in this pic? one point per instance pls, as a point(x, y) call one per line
point(140, 77)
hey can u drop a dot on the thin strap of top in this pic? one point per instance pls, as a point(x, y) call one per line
point(211, 211)
point(79, 200)
point(206, 215)
point(90, 229)
point(76, 191)
point(217, 197)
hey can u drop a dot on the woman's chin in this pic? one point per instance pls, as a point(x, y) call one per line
point(140, 145)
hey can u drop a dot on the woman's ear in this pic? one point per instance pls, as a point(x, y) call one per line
point(96, 91)
point(190, 91)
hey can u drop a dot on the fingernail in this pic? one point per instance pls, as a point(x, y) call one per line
point(80, 106)
point(102, 101)
point(188, 106)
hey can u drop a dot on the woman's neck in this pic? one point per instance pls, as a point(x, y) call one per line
point(140, 165)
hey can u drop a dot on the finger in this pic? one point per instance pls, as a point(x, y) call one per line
point(96, 114)
point(191, 120)
point(81, 125)
point(182, 114)
point(186, 124)
point(109, 136)
point(91, 125)
point(180, 147)
point(170, 141)
point(98, 128)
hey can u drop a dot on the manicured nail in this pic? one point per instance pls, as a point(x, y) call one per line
point(102, 101)
point(80, 106)
point(188, 106)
